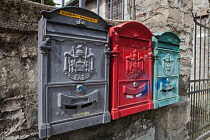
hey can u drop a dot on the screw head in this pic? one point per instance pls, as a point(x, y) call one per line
point(135, 84)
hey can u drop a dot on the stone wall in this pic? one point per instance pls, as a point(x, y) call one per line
point(200, 6)
point(18, 68)
point(18, 76)
point(171, 15)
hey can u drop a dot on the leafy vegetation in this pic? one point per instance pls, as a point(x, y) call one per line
point(47, 2)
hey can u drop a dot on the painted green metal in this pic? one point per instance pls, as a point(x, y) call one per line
point(166, 69)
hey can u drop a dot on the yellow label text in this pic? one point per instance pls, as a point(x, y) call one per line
point(81, 114)
point(78, 16)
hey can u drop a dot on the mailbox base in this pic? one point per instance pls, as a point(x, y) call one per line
point(121, 112)
point(164, 102)
point(65, 126)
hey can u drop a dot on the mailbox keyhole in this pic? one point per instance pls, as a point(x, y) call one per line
point(70, 107)
point(86, 105)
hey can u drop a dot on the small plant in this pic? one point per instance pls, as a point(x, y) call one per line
point(47, 2)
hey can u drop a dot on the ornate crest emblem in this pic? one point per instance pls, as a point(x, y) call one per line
point(168, 65)
point(78, 63)
point(134, 65)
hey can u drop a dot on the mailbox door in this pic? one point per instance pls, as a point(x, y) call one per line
point(133, 74)
point(166, 70)
point(131, 69)
point(73, 70)
point(166, 81)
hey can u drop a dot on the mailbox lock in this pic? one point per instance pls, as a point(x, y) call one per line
point(168, 80)
point(79, 88)
point(135, 84)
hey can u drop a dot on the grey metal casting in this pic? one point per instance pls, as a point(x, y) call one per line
point(73, 59)
point(123, 9)
point(98, 7)
point(111, 9)
point(133, 10)
point(82, 3)
point(63, 3)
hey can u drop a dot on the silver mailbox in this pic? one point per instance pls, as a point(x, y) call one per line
point(73, 62)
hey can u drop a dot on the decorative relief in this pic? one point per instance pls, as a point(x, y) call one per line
point(168, 64)
point(168, 86)
point(78, 64)
point(169, 40)
point(134, 65)
point(80, 22)
point(134, 35)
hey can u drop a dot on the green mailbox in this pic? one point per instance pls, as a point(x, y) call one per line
point(166, 69)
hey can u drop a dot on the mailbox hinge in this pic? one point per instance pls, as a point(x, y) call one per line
point(150, 54)
point(178, 57)
point(155, 55)
point(115, 52)
point(107, 50)
point(45, 47)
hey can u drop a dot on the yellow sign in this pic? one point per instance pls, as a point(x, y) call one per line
point(78, 16)
point(81, 114)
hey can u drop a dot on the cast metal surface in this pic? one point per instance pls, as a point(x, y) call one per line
point(131, 69)
point(166, 69)
point(73, 59)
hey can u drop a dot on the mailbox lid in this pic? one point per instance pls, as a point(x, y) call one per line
point(74, 22)
point(76, 16)
point(134, 30)
point(167, 40)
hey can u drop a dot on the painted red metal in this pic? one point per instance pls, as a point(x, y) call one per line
point(131, 69)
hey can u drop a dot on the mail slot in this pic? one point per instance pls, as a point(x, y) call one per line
point(166, 69)
point(131, 69)
point(74, 61)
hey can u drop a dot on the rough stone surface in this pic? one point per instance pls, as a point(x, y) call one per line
point(175, 16)
point(18, 75)
point(200, 6)
point(21, 14)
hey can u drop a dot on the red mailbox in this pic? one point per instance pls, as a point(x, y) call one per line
point(131, 69)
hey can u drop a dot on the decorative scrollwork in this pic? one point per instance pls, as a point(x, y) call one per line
point(168, 64)
point(78, 64)
point(134, 65)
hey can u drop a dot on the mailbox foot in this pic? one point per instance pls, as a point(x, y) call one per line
point(44, 131)
point(107, 117)
point(115, 114)
point(131, 110)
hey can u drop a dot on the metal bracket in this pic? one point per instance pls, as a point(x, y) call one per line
point(107, 50)
point(156, 55)
point(179, 57)
point(45, 45)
